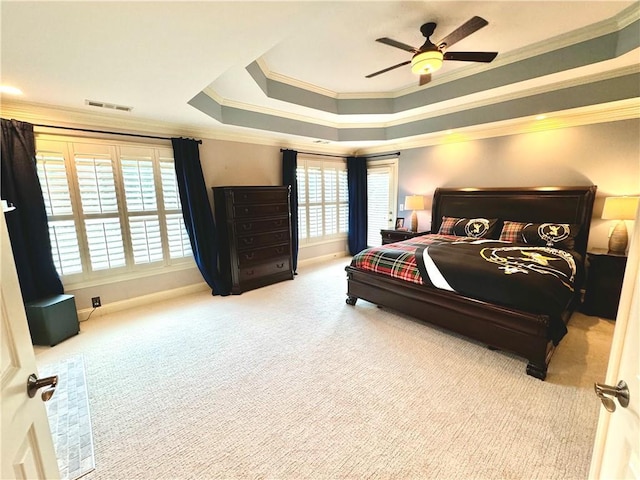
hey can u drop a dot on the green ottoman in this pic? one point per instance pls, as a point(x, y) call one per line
point(52, 320)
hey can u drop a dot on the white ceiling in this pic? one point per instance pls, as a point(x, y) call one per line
point(157, 56)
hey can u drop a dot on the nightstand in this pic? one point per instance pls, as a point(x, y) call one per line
point(605, 272)
point(392, 236)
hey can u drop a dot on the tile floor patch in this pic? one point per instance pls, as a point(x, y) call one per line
point(69, 418)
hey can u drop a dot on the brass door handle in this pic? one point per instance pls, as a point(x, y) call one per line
point(620, 391)
point(34, 384)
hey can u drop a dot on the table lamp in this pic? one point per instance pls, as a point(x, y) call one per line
point(414, 202)
point(621, 209)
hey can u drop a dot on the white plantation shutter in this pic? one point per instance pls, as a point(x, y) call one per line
point(57, 200)
point(53, 181)
point(97, 184)
point(177, 236)
point(112, 207)
point(139, 185)
point(322, 199)
point(106, 248)
point(169, 185)
point(140, 194)
point(301, 176)
point(179, 244)
point(145, 239)
point(343, 202)
point(380, 200)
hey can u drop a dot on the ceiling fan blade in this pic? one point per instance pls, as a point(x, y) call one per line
point(394, 43)
point(389, 68)
point(470, 56)
point(466, 29)
point(424, 79)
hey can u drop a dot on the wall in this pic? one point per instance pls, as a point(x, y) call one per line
point(606, 155)
point(231, 163)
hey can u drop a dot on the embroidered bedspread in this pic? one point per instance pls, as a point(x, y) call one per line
point(529, 278)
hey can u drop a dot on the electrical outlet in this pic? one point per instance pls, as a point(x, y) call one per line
point(95, 302)
point(402, 207)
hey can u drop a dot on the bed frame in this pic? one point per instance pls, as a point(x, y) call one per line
point(501, 328)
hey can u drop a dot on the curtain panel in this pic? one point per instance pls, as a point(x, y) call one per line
point(289, 177)
point(196, 212)
point(357, 185)
point(27, 225)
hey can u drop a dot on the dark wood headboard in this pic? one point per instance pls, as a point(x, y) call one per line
point(535, 204)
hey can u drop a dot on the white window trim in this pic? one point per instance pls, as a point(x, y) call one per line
point(130, 271)
point(324, 239)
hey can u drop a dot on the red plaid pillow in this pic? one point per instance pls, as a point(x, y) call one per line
point(512, 232)
point(446, 227)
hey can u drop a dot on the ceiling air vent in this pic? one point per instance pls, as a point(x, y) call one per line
point(112, 106)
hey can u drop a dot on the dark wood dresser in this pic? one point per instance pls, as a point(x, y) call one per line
point(254, 230)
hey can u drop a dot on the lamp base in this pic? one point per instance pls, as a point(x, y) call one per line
point(414, 221)
point(619, 239)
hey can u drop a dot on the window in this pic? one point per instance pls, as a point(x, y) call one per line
point(113, 208)
point(381, 198)
point(323, 203)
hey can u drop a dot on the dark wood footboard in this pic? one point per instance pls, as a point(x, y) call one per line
point(514, 331)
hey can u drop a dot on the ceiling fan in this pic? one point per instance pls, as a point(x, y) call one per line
point(429, 57)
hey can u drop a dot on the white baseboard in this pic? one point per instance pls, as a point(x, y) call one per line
point(108, 308)
point(323, 258)
point(142, 300)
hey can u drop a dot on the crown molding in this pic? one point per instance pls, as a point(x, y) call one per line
point(424, 114)
point(38, 113)
point(70, 117)
point(604, 113)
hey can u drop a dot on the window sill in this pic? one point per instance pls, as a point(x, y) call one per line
point(146, 273)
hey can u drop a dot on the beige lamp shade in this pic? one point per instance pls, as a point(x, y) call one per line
point(620, 208)
point(414, 202)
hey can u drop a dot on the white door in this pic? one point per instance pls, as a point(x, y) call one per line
point(616, 452)
point(27, 447)
point(381, 198)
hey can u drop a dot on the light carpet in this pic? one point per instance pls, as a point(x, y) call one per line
point(69, 418)
point(289, 382)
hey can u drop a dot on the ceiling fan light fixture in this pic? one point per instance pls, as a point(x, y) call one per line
point(426, 62)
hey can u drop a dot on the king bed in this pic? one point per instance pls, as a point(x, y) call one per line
point(502, 266)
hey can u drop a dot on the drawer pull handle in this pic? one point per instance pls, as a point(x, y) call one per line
point(250, 272)
point(248, 241)
point(277, 223)
point(280, 265)
point(247, 226)
point(279, 250)
point(249, 256)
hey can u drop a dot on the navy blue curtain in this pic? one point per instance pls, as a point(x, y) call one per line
point(27, 224)
point(196, 211)
point(289, 166)
point(357, 185)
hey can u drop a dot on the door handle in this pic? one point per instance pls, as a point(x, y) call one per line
point(34, 384)
point(620, 391)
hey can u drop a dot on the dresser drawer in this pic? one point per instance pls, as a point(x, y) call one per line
point(274, 266)
point(260, 196)
point(249, 242)
point(244, 227)
point(258, 255)
point(248, 211)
